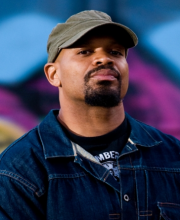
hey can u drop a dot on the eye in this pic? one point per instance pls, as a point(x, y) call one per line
point(85, 52)
point(116, 53)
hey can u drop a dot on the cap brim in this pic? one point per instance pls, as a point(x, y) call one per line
point(132, 41)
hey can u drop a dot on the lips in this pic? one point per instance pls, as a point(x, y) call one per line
point(105, 74)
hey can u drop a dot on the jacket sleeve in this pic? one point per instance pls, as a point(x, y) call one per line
point(23, 179)
point(3, 215)
point(18, 200)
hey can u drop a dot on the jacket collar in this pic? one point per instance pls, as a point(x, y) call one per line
point(54, 141)
point(56, 144)
point(142, 134)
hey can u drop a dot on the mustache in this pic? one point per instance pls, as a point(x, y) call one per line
point(88, 74)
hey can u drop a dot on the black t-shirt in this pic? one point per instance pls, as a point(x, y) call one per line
point(105, 148)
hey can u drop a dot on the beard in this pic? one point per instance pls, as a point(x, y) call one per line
point(103, 96)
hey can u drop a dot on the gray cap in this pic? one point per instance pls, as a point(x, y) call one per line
point(65, 34)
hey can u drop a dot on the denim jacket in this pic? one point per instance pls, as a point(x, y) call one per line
point(43, 175)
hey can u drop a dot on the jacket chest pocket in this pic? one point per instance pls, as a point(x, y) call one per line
point(169, 211)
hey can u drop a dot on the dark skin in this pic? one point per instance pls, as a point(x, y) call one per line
point(68, 72)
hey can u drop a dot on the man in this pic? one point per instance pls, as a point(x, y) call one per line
point(90, 160)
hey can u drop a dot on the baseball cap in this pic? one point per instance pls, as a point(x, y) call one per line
point(78, 25)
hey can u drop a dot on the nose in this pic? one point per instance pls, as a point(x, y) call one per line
point(102, 58)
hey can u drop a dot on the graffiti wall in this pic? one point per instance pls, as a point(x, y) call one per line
point(154, 87)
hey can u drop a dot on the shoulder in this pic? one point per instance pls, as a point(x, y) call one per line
point(155, 148)
point(157, 134)
point(149, 135)
point(23, 161)
point(24, 145)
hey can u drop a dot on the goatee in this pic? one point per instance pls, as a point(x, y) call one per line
point(103, 96)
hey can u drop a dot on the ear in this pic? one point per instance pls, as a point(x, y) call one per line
point(52, 75)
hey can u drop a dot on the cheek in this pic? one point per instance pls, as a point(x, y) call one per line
point(124, 87)
point(72, 82)
point(68, 76)
point(124, 82)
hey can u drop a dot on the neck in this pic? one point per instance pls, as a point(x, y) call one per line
point(90, 121)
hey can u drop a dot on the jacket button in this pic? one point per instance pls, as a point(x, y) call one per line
point(126, 198)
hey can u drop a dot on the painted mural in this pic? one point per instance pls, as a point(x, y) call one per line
point(26, 96)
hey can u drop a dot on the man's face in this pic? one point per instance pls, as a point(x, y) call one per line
point(94, 71)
